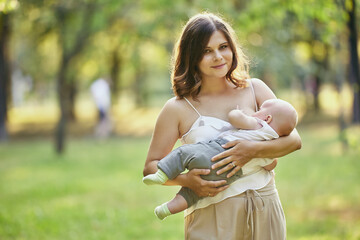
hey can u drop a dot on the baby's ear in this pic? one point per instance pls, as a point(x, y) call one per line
point(268, 119)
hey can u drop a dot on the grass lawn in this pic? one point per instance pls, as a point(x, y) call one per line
point(94, 191)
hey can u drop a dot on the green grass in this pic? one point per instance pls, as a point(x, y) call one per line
point(319, 187)
point(92, 192)
point(95, 191)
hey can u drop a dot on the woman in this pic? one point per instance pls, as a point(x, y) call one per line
point(209, 79)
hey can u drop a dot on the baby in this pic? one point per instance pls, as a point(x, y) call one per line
point(274, 119)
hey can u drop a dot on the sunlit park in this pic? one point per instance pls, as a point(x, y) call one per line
point(72, 169)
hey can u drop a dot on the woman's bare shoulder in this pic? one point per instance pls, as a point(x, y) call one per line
point(174, 109)
point(256, 82)
point(262, 91)
point(174, 104)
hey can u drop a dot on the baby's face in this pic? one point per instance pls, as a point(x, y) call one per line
point(283, 115)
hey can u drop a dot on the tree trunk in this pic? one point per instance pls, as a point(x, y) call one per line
point(141, 93)
point(317, 84)
point(72, 89)
point(64, 100)
point(66, 89)
point(115, 63)
point(4, 73)
point(354, 61)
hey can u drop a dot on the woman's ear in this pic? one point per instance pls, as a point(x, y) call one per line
point(268, 119)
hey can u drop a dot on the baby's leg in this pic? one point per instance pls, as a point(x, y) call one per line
point(176, 205)
point(157, 178)
point(271, 166)
point(258, 163)
point(173, 164)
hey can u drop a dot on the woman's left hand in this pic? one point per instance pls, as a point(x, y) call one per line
point(238, 153)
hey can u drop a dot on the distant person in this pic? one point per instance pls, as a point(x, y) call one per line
point(275, 118)
point(100, 91)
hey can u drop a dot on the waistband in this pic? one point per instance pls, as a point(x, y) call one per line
point(268, 190)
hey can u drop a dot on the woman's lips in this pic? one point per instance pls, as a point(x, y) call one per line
point(219, 66)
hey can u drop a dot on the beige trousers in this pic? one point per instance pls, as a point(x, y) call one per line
point(254, 214)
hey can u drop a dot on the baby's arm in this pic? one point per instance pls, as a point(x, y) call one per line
point(240, 120)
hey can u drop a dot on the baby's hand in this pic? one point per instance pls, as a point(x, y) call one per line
point(240, 120)
point(236, 111)
point(271, 166)
point(236, 115)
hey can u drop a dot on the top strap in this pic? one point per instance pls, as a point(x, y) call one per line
point(192, 106)
point(253, 91)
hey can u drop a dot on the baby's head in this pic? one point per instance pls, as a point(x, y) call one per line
point(279, 114)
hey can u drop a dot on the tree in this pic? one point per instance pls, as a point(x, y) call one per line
point(91, 17)
point(65, 87)
point(354, 72)
point(5, 72)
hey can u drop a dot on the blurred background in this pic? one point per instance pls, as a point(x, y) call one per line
point(81, 85)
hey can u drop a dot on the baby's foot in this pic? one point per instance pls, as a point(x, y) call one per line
point(157, 178)
point(162, 211)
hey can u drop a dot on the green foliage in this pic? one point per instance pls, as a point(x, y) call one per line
point(94, 191)
point(7, 6)
point(272, 32)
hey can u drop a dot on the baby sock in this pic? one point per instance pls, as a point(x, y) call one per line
point(162, 211)
point(157, 178)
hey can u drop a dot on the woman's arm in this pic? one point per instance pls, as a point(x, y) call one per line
point(201, 187)
point(278, 147)
point(241, 152)
point(165, 135)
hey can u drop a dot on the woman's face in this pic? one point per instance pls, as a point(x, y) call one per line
point(217, 58)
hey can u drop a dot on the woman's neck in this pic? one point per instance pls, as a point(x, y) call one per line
point(213, 86)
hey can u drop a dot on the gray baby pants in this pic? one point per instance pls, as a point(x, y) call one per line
point(190, 156)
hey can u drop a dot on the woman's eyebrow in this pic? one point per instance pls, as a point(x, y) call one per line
point(218, 45)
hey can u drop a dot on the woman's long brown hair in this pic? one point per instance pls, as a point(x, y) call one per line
point(189, 51)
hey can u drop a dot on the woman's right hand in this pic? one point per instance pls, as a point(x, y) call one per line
point(201, 187)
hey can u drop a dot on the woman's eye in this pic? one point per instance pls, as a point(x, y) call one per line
point(207, 51)
point(223, 46)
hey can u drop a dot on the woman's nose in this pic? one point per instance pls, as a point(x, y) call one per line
point(217, 55)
